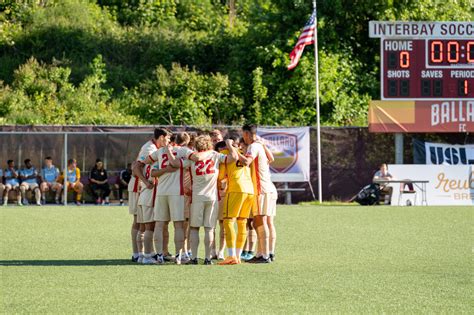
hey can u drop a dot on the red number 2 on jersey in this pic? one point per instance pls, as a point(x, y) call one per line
point(209, 164)
point(164, 162)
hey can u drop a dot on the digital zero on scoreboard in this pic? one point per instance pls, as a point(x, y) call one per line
point(426, 60)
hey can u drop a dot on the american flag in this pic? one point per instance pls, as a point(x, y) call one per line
point(306, 38)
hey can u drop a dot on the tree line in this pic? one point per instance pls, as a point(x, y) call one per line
point(186, 62)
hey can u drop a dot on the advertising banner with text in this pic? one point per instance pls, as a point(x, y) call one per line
point(442, 153)
point(421, 116)
point(447, 184)
point(290, 148)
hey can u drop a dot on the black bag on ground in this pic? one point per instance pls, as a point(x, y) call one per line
point(369, 195)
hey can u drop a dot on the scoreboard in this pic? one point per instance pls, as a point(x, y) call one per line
point(426, 60)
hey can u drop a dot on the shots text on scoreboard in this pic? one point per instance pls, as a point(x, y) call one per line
point(426, 60)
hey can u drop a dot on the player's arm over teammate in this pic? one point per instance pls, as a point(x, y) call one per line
point(268, 153)
point(236, 155)
point(195, 156)
point(159, 172)
point(137, 170)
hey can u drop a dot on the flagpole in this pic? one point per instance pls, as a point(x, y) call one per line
point(318, 127)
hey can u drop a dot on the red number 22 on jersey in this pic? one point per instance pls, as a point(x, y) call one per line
point(209, 164)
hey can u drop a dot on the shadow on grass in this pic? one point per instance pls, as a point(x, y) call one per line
point(85, 262)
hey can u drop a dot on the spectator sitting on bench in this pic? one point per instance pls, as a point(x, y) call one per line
point(2, 186)
point(29, 181)
point(385, 190)
point(99, 181)
point(49, 175)
point(12, 181)
point(73, 178)
point(123, 180)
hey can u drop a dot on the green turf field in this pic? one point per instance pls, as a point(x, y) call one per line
point(329, 259)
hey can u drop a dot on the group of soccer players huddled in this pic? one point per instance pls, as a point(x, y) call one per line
point(196, 182)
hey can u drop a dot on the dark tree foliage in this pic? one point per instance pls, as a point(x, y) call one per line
point(193, 62)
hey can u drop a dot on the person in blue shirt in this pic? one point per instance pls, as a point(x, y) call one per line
point(2, 187)
point(29, 181)
point(12, 182)
point(49, 176)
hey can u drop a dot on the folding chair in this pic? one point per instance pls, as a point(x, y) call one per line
point(406, 189)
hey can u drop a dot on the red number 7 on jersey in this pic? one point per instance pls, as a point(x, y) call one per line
point(209, 164)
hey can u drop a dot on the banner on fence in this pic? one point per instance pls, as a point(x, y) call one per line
point(442, 153)
point(290, 147)
point(447, 184)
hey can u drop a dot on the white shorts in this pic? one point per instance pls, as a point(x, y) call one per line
point(169, 208)
point(204, 213)
point(30, 186)
point(146, 197)
point(52, 185)
point(266, 204)
point(12, 186)
point(133, 202)
point(145, 214)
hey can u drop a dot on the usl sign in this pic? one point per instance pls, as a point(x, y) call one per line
point(442, 153)
point(290, 148)
point(447, 185)
point(421, 116)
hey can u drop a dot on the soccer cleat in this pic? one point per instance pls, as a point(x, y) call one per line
point(230, 260)
point(272, 257)
point(140, 259)
point(168, 257)
point(38, 203)
point(159, 259)
point(20, 204)
point(193, 261)
point(177, 259)
point(148, 261)
point(57, 201)
point(249, 256)
point(185, 258)
point(253, 259)
point(220, 256)
point(134, 259)
point(208, 262)
point(262, 260)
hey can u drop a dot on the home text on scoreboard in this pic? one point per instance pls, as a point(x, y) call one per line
point(425, 60)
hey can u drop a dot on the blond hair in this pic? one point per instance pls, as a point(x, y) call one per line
point(203, 143)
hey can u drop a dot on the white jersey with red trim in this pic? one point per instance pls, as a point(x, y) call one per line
point(148, 148)
point(204, 175)
point(261, 169)
point(171, 184)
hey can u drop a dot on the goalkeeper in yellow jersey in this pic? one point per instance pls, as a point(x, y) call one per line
point(238, 202)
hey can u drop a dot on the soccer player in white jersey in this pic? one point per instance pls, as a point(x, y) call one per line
point(169, 202)
point(266, 192)
point(204, 208)
point(145, 213)
point(137, 231)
